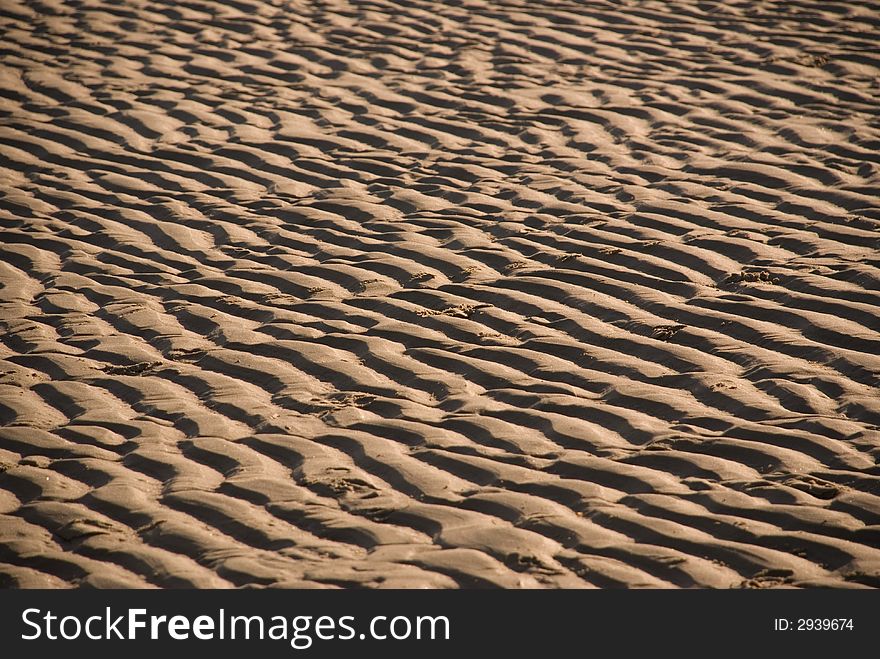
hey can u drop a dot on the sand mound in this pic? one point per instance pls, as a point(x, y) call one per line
point(399, 294)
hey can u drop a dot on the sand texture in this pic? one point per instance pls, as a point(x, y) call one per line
point(405, 293)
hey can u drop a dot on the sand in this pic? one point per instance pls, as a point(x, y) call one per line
point(439, 294)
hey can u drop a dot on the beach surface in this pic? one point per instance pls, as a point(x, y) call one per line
point(418, 294)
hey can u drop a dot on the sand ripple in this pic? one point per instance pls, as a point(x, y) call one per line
point(407, 294)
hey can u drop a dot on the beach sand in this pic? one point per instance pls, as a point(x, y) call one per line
point(439, 294)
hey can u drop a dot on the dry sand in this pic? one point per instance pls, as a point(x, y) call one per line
point(427, 294)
